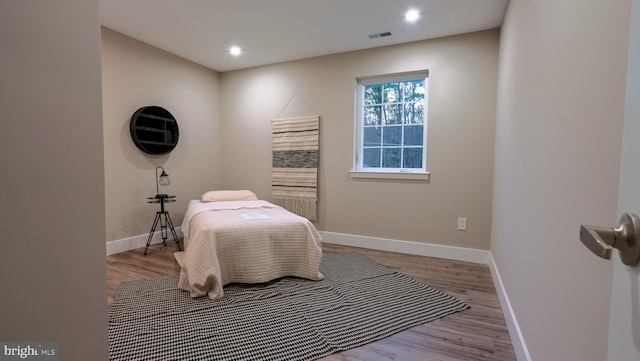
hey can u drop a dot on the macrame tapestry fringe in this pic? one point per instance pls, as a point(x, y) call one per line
point(294, 173)
point(302, 207)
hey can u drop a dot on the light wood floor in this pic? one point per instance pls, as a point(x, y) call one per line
point(479, 333)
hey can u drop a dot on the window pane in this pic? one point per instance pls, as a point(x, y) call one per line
point(391, 157)
point(371, 158)
point(392, 135)
point(391, 123)
point(412, 158)
point(392, 114)
point(392, 92)
point(372, 136)
point(414, 113)
point(413, 135)
point(413, 90)
point(373, 94)
point(372, 115)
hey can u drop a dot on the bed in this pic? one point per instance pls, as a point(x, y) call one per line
point(231, 236)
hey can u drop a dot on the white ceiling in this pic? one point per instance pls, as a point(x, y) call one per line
point(273, 31)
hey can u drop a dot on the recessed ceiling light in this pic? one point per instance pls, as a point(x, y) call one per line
point(412, 15)
point(235, 50)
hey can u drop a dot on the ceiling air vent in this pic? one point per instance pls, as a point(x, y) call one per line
point(379, 35)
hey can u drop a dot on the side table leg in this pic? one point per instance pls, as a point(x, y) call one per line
point(153, 229)
point(173, 231)
point(163, 228)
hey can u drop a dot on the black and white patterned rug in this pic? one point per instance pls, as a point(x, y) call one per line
point(358, 301)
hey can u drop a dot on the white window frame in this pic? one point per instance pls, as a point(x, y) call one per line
point(387, 173)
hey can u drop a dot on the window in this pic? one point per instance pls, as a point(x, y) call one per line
point(391, 126)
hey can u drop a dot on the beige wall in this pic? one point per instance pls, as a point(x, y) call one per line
point(52, 262)
point(135, 75)
point(462, 98)
point(558, 141)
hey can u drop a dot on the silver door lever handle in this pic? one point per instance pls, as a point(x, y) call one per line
point(624, 237)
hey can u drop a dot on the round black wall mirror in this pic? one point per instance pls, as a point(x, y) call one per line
point(154, 130)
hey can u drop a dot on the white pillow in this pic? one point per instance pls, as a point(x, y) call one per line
point(224, 196)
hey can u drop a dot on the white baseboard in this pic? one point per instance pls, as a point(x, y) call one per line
point(448, 252)
point(416, 248)
point(126, 244)
point(517, 339)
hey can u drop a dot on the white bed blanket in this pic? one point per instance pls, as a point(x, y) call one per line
point(245, 242)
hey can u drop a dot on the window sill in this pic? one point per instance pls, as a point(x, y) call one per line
point(422, 176)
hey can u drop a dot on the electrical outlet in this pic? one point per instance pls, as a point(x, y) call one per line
point(462, 224)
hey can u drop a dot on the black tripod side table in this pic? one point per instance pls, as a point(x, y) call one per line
point(163, 218)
